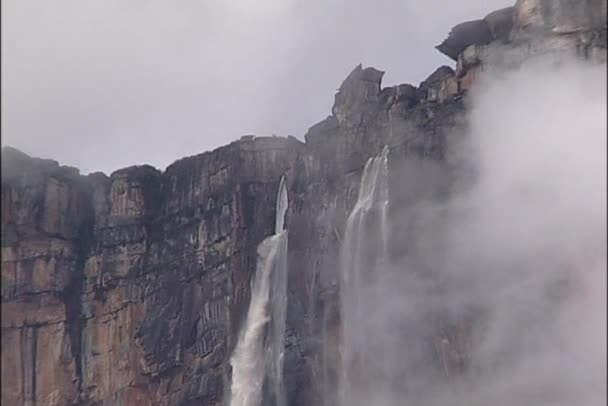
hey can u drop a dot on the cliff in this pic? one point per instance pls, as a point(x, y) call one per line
point(130, 289)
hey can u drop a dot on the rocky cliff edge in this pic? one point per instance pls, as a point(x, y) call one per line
point(129, 289)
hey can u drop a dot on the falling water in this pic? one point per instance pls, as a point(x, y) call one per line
point(363, 251)
point(257, 361)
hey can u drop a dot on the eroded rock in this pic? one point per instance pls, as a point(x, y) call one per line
point(500, 23)
point(359, 91)
point(130, 289)
point(475, 32)
point(560, 16)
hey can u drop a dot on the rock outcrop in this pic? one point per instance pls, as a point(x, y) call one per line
point(512, 36)
point(475, 32)
point(560, 16)
point(130, 289)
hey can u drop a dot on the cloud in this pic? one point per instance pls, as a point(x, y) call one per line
point(102, 85)
point(531, 234)
point(507, 278)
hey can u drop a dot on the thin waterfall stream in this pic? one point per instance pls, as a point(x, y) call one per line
point(257, 361)
point(363, 251)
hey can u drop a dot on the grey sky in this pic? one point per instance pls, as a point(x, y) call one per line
point(105, 84)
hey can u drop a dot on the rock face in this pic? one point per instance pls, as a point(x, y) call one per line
point(130, 289)
point(560, 16)
point(470, 33)
point(525, 32)
point(500, 23)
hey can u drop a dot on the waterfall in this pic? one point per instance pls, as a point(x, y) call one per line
point(257, 361)
point(363, 251)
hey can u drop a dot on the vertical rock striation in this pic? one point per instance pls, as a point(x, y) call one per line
point(131, 289)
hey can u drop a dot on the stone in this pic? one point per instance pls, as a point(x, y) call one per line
point(560, 16)
point(448, 88)
point(360, 89)
point(472, 56)
point(476, 32)
point(131, 289)
point(500, 23)
point(467, 81)
point(431, 87)
point(406, 93)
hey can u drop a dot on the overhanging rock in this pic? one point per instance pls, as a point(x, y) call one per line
point(461, 36)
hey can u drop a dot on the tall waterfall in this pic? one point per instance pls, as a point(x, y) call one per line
point(363, 251)
point(257, 361)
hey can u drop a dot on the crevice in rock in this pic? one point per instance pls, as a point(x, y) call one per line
point(28, 362)
point(73, 291)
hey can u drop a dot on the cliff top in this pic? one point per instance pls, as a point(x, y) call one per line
point(362, 86)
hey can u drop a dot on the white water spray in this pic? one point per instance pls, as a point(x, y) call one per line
point(257, 361)
point(363, 250)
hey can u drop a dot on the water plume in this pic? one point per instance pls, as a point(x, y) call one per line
point(257, 362)
point(363, 250)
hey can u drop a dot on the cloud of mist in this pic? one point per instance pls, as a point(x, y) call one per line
point(101, 85)
point(531, 236)
point(499, 293)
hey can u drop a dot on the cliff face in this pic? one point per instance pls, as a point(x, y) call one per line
point(130, 289)
point(127, 289)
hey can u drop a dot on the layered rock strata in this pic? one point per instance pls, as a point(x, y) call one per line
point(130, 289)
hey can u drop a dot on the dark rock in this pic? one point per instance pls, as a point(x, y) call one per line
point(360, 89)
point(316, 133)
point(16, 163)
point(560, 16)
point(436, 77)
point(500, 23)
point(431, 88)
point(406, 93)
point(461, 36)
point(131, 289)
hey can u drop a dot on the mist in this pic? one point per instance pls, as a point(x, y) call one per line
point(103, 85)
point(529, 239)
point(498, 293)
point(494, 291)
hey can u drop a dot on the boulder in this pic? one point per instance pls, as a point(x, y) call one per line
point(500, 22)
point(468, 33)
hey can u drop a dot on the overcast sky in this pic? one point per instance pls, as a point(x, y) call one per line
point(110, 83)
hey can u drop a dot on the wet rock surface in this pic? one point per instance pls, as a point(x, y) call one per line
point(130, 289)
point(475, 32)
point(560, 16)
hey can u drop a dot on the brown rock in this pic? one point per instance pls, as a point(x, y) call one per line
point(435, 87)
point(560, 16)
point(131, 289)
point(468, 80)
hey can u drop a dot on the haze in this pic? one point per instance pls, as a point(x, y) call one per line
point(509, 271)
point(105, 84)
